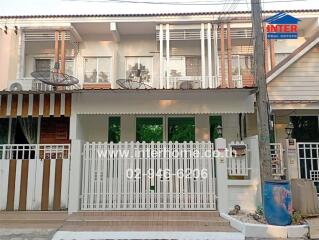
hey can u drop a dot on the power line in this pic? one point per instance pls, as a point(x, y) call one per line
point(191, 3)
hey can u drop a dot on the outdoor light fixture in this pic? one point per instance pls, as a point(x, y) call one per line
point(16, 30)
point(5, 29)
point(289, 129)
point(219, 130)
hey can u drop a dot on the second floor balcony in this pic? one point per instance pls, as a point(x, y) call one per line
point(203, 59)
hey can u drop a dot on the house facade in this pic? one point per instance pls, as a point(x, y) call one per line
point(149, 86)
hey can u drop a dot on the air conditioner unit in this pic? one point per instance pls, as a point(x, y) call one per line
point(20, 85)
point(188, 84)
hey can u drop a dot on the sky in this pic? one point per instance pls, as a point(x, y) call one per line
point(37, 7)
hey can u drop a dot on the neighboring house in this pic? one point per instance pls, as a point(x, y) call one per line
point(293, 92)
point(182, 74)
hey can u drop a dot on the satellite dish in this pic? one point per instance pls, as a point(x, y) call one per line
point(55, 78)
point(16, 86)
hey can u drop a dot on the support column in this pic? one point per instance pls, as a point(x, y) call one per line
point(222, 54)
point(161, 85)
point(167, 57)
point(21, 55)
point(252, 143)
point(203, 63)
point(291, 158)
point(128, 128)
point(216, 58)
point(74, 204)
point(56, 48)
point(221, 177)
point(202, 127)
point(62, 68)
point(229, 58)
point(209, 54)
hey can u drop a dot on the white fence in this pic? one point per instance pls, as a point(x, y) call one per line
point(34, 176)
point(157, 176)
point(238, 160)
point(308, 155)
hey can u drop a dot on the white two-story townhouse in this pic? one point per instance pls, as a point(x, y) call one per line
point(152, 85)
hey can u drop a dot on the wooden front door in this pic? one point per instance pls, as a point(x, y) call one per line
point(53, 131)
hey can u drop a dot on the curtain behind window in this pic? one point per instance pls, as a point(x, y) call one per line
point(29, 128)
point(4, 129)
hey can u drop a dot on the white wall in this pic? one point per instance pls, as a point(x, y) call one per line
point(230, 127)
point(9, 57)
point(247, 193)
point(92, 128)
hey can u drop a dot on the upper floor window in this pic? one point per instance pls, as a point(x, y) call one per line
point(139, 69)
point(241, 64)
point(181, 66)
point(97, 69)
point(47, 64)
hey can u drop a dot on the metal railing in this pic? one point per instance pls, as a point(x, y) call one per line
point(277, 159)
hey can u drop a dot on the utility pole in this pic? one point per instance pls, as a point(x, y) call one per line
point(261, 95)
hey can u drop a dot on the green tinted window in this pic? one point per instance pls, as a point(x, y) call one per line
point(149, 129)
point(214, 121)
point(181, 129)
point(114, 129)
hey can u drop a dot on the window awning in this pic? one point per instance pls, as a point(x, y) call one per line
point(33, 104)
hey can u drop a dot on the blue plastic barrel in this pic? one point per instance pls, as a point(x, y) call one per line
point(277, 202)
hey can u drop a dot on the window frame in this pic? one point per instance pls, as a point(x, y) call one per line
point(67, 59)
point(97, 69)
point(151, 68)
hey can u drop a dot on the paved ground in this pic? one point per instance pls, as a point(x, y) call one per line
point(18, 234)
point(47, 235)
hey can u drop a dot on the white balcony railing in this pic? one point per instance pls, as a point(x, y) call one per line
point(176, 82)
point(194, 82)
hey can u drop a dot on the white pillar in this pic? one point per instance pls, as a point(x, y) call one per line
point(216, 59)
point(21, 55)
point(221, 177)
point(161, 56)
point(128, 128)
point(291, 158)
point(203, 63)
point(202, 127)
point(75, 176)
point(209, 54)
point(253, 148)
point(167, 57)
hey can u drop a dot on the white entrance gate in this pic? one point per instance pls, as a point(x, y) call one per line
point(308, 158)
point(154, 176)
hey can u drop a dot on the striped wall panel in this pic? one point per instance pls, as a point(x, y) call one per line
point(35, 184)
point(46, 105)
